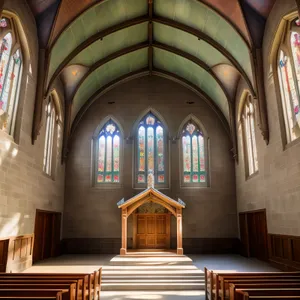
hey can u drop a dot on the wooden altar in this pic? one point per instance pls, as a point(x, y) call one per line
point(151, 195)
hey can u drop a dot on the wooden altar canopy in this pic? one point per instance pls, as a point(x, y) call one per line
point(151, 195)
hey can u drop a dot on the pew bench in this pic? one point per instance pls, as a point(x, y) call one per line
point(215, 286)
point(241, 286)
point(244, 294)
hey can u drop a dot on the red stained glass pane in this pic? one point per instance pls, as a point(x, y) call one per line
point(116, 153)
point(150, 149)
point(142, 149)
point(186, 143)
point(141, 178)
point(202, 153)
point(195, 178)
point(195, 154)
point(187, 178)
point(202, 178)
point(116, 178)
point(100, 178)
point(109, 154)
point(161, 178)
point(108, 178)
point(160, 148)
point(101, 154)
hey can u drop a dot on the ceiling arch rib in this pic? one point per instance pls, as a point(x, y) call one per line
point(145, 72)
point(106, 73)
point(192, 72)
point(165, 58)
point(187, 39)
point(197, 15)
point(91, 22)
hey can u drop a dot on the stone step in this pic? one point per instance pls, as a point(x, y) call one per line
point(154, 280)
point(150, 286)
point(153, 272)
point(153, 276)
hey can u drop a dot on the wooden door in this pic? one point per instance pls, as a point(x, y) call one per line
point(46, 235)
point(152, 231)
point(254, 236)
point(3, 254)
point(244, 235)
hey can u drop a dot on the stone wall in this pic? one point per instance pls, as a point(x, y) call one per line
point(277, 185)
point(23, 186)
point(91, 213)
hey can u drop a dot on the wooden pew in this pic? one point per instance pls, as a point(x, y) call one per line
point(214, 279)
point(91, 282)
point(32, 293)
point(241, 286)
point(246, 294)
point(83, 282)
point(224, 291)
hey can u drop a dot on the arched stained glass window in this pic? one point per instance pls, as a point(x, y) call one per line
point(249, 140)
point(289, 80)
point(151, 150)
point(108, 150)
point(193, 154)
point(10, 75)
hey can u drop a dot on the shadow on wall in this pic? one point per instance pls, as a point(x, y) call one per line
point(6, 148)
point(11, 225)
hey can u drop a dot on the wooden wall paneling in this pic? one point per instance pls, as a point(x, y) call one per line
point(20, 253)
point(285, 251)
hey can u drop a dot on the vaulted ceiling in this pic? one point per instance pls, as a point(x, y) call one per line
point(93, 44)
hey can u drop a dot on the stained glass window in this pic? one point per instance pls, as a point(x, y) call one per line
point(151, 150)
point(248, 126)
point(289, 81)
point(108, 166)
point(10, 77)
point(193, 154)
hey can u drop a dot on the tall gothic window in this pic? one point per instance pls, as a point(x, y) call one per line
point(108, 154)
point(151, 157)
point(10, 74)
point(194, 162)
point(248, 132)
point(289, 79)
point(49, 137)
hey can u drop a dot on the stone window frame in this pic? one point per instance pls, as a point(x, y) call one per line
point(282, 42)
point(206, 138)
point(95, 154)
point(53, 146)
point(247, 120)
point(17, 44)
point(134, 137)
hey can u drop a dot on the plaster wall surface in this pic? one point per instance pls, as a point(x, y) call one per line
point(23, 185)
point(91, 212)
point(276, 187)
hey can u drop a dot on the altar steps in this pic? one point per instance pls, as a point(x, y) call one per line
point(152, 272)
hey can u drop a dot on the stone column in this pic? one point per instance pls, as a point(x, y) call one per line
point(179, 231)
point(123, 249)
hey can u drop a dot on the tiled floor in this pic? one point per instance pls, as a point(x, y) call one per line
point(88, 263)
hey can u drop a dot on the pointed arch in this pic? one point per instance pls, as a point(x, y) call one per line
point(246, 126)
point(107, 151)
point(11, 72)
point(150, 134)
point(194, 153)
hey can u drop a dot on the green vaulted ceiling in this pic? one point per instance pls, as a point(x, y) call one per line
point(113, 38)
